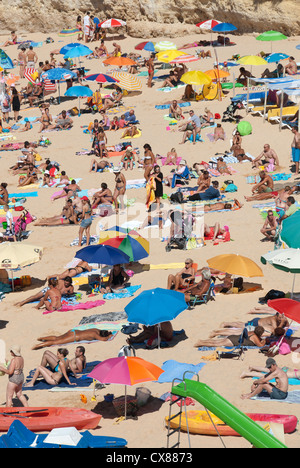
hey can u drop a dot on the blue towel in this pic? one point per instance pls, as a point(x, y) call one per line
point(174, 369)
point(167, 106)
point(293, 397)
point(23, 194)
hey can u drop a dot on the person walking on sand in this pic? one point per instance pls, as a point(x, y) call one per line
point(279, 391)
point(150, 65)
point(14, 370)
point(296, 149)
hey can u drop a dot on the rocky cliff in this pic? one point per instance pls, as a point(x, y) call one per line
point(150, 18)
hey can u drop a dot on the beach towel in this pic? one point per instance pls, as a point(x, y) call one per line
point(293, 397)
point(122, 293)
point(82, 381)
point(79, 306)
point(107, 317)
point(175, 370)
point(135, 183)
point(167, 106)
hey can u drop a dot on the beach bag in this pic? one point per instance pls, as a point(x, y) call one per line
point(74, 111)
point(274, 294)
point(126, 350)
point(231, 188)
point(176, 197)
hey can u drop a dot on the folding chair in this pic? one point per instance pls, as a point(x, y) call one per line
point(204, 298)
point(234, 352)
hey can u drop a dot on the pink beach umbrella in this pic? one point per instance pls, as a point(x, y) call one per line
point(185, 59)
point(126, 370)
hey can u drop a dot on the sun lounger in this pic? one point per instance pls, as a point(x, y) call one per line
point(274, 114)
point(259, 110)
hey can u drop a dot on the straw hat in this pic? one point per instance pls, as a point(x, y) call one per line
point(16, 350)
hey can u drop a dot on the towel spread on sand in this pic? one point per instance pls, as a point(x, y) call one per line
point(80, 306)
point(293, 397)
point(122, 293)
point(175, 370)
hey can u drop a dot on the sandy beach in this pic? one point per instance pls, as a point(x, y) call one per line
point(25, 324)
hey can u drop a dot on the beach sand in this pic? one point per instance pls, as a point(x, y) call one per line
point(26, 324)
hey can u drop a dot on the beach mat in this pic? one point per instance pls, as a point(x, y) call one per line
point(175, 370)
point(292, 398)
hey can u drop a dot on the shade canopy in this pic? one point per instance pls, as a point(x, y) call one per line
point(185, 59)
point(252, 60)
point(127, 81)
point(224, 27)
point(58, 74)
point(270, 36)
point(235, 264)
point(146, 45)
point(195, 77)
point(165, 45)
point(283, 259)
point(102, 254)
point(14, 255)
point(168, 55)
point(208, 24)
point(69, 46)
point(132, 244)
point(112, 23)
point(78, 51)
point(79, 91)
point(5, 61)
point(276, 57)
point(289, 307)
point(119, 61)
point(68, 32)
point(101, 78)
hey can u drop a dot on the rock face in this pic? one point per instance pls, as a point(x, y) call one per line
point(150, 18)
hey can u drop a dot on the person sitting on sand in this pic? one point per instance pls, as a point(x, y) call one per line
point(67, 217)
point(130, 132)
point(114, 99)
point(279, 391)
point(128, 159)
point(198, 289)
point(277, 73)
point(236, 145)
point(214, 232)
point(76, 365)
point(175, 111)
point(257, 371)
point(99, 165)
point(150, 333)
point(189, 93)
point(52, 298)
point(103, 196)
point(267, 156)
point(266, 184)
point(291, 68)
point(117, 280)
point(63, 285)
point(211, 193)
point(63, 122)
point(244, 76)
point(171, 81)
point(53, 377)
point(73, 336)
point(67, 190)
point(183, 278)
point(207, 118)
point(269, 227)
point(219, 133)
point(254, 339)
point(13, 39)
point(31, 176)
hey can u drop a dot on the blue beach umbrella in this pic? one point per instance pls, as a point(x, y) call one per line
point(150, 47)
point(276, 57)
point(5, 61)
point(298, 47)
point(58, 74)
point(102, 254)
point(67, 47)
point(79, 91)
point(224, 28)
point(78, 51)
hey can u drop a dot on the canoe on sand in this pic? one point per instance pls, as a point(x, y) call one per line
point(200, 423)
point(40, 419)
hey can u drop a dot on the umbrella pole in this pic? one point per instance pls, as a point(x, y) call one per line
point(12, 280)
point(281, 107)
point(265, 104)
point(79, 106)
point(158, 336)
point(233, 83)
point(248, 83)
point(293, 287)
point(125, 402)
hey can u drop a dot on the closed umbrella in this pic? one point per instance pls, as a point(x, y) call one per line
point(127, 81)
point(154, 306)
point(235, 264)
point(284, 259)
point(80, 92)
point(126, 370)
point(15, 255)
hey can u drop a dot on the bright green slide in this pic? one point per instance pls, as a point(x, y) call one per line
point(229, 414)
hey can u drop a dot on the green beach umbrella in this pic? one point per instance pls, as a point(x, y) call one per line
point(270, 36)
point(290, 233)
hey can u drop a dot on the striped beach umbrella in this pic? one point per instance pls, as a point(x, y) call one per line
point(30, 74)
point(208, 24)
point(68, 32)
point(165, 45)
point(112, 23)
point(101, 78)
point(185, 59)
point(127, 81)
point(168, 55)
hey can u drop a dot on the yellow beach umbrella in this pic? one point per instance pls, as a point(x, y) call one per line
point(169, 55)
point(195, 77)
point(235, 264)
point(255, 60)
point(165, 45)
point(127, 81)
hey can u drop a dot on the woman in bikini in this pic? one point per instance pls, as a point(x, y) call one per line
point(103, 196)
point(254, 339)
point(120, 189)
point(3, 194)
point(15, 377)
point(149, 161)
point(30, 178)
point(52, 298)
point(81, 267)
point(53, 377)
point(99, 143)
point(86, 222)
point(46, 120)
point(128, 159)
point(150, 65)
point(73, 336)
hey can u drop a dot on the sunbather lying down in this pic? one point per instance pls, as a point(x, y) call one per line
point(73, 336)
point(165, 331)
point(254, 339)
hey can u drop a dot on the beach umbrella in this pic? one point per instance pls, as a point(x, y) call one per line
point(284, 259)
point(102, 254)
point(154, 306)
point(78, 51)
point(127, 81)
point(255, 60)
point(216, 74)
point(16, 255)
point(119, 61)
point(80, 92)
point(133, 245)
point(58, 74)
point(235, 264)
point(146, 45)
point(276, 57)
point(125, 370)
point(168, 55)
point(31, 74)
point(68, 32)
point(290, 232)
point(224, 27)
point(298, 47)
point(165, 45)
point(208, 24)
point(112, 23)
point(289, 307)
point(271, 36)
point(195, 77)
point(69, 46)
point(101, 78)
point(185, 59)
point(5, 61)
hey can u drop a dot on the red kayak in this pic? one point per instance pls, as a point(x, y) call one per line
point(39, 419)
point(288, 420)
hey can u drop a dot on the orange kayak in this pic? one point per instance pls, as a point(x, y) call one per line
point(39, 419)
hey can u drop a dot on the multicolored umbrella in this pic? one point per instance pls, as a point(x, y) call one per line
point(112, 23)
point(101, 78)
point(31, 74)
point(68, 32)
point(5, 61)
point(168, 55)
point(208, 24)
point(127, 81)
point(165, 45)
point(146, 45)
point(284, 259)
point(132, 244)
point(126, 370)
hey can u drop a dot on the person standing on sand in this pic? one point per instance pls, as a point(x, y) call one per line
point(15, 377)
point(296, 149)
point(31, 58)
point(150, 65)
point(22, 61)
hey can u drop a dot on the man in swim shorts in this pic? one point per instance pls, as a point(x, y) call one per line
point(296, 149)
point(266, 184)
point(279, 391)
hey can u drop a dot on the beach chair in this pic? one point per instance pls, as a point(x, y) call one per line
point(259, 110)
point(274, 114)
point(203, 299)
point(237, 352)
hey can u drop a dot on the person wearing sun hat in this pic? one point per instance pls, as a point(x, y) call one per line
point(14, 370)
point(279, 391)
